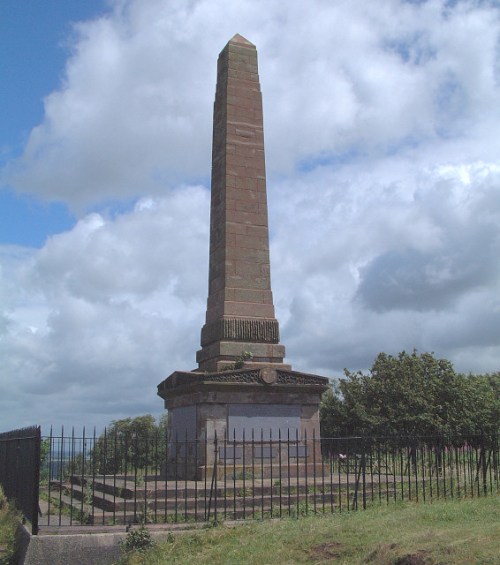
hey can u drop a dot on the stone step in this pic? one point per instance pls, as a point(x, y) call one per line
point(111, 501)
point(199, 499)
point(86, 514)
point(168, 489)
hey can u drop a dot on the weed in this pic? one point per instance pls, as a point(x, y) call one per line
point(240, 475)
point(88, 494)
point(139, 540)
point(147, 515)
point(244, 492)
point(139, 478)
point(239, 362)
point(300, 510)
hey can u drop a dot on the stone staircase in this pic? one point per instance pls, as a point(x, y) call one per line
point(109, 500)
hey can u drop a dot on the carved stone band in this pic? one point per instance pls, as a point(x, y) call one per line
point(258, 331)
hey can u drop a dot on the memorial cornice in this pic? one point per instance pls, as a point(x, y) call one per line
point(265, 377)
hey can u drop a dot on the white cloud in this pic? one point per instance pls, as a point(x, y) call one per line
point(464, 217)
point(133, 114)
point(116, 305)
point(383, 263)
point(381, 124)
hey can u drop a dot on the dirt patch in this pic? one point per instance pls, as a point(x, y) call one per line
point(324, 551)
point(381, 553)
point(421, 557)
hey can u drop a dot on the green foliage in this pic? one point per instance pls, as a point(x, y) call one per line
point(138, 540)
point(9, 520)
point(411, 394)
point(131, 443)
point(239, 362)
point(44, 456)
point(246, 492)
point(246, 475)
point(3, 498)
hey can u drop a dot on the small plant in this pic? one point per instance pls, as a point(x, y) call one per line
point(88, 494)
point(300, 510)
point(146, 516)
point(239, 362)
point(244, 492)
point(139, 540)
point(139, 478)
point(242, 475)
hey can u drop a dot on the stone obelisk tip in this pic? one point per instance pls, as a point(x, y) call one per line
point(241, 40)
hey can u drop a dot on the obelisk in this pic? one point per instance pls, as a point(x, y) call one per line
point(240, 313)
point(261, 398)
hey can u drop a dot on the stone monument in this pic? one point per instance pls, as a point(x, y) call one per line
point(241, 388)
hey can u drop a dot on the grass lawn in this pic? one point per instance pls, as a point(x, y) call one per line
point(449, 532)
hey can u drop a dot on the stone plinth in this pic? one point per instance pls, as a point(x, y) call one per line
point(249, 408)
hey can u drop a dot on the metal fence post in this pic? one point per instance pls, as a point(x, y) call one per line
point(36, 490)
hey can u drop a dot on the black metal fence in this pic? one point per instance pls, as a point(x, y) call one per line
point(123, 479)
point(19, 470)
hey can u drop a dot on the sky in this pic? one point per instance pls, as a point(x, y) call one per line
point(381, 125)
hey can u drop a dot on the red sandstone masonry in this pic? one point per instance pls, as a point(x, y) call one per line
point(239, 271)
point(240, 313)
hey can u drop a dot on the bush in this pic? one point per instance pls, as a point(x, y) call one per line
point(138, 540)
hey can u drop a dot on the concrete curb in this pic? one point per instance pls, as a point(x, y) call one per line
point(89, 548)
point(84, 549)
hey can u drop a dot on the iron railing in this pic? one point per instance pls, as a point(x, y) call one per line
point(20, 469)
point(123, 479)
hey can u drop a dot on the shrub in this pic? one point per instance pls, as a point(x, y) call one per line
point(138, 540)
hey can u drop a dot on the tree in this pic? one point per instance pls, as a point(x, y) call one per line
point(44, 456)
point(332, 413)
point(131, 443)
point(411, 394)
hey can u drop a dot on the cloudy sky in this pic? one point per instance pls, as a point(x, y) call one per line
point(383, 162)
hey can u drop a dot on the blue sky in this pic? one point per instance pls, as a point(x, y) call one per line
point(34, 43)
point(382, 153)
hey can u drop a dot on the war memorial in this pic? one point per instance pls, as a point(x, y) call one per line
point(242, 388)
point(243, 435)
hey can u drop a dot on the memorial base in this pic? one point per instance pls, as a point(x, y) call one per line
point(247, 420)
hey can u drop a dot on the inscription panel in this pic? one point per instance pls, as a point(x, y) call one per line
point(231, 452)
point(183, 423)
point(264, 452)
point(265, 421)
point(297, 451)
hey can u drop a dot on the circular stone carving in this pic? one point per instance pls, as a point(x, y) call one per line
point(268, 376)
